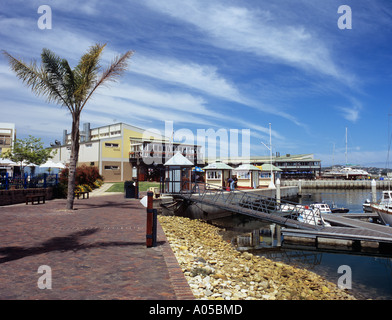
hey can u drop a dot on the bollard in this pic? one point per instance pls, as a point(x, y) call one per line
point(374, 191)
point(151, 229)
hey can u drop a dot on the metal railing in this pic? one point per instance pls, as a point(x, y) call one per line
point(37, 181)
point(278, 211)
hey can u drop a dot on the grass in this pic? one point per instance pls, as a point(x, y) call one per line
point(143, 186)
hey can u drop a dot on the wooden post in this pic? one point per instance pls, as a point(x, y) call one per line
point(150, 219)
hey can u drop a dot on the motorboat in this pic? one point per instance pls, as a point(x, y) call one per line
point(322, 207)
point(335, 209)
point(325, 208)
point(384, 207)
point(306, 214)
point(312, 216)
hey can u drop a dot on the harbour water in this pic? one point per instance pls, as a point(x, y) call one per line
point(371, 275)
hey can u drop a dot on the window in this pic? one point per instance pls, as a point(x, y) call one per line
point(111, 168)
point(214, 174)
point(265, 175)
point(243, 175)
point(111, 145)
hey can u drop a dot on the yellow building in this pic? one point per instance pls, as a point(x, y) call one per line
point(105, 147)
point(122, 152)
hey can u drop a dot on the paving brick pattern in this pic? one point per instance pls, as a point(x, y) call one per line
point(97, 251)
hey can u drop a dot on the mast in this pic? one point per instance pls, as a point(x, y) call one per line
point(346, 147)
point(271, 184)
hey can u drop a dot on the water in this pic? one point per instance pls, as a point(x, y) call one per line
point(371, 275)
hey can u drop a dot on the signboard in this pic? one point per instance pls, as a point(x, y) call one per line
point(143, 201)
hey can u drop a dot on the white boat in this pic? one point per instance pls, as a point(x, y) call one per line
point(323, 207)
point(312, 216)
point(348, 173)
point(384, 207)
point(306, 214)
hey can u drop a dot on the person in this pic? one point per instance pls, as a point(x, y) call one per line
point(232, 184)
point(228, 184)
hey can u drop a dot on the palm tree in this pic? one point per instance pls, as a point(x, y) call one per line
point(56, 81)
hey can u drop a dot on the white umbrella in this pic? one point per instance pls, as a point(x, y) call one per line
point(52, 164)
point(7, 162)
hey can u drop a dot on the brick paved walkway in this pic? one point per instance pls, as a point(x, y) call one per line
point(97, 251)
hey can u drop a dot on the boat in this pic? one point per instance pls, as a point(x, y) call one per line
point(335, 209)
point(325, 208)
point(312, 216)
point(307, 214)
point(366, 206)
point(384, 207)
point(348, 173)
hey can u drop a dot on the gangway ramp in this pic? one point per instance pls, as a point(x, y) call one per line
point(284, 213)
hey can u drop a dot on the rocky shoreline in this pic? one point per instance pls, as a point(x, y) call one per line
point(216, 271)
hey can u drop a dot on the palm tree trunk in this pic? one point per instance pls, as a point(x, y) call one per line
point(73, 159)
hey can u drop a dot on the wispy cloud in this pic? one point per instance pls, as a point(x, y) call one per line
point(259, 32)
point(352, 112)
point(204, 78)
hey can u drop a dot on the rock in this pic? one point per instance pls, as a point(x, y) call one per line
point(325, 289)
point(247, 255)
point(219, 276)
point(216, 271)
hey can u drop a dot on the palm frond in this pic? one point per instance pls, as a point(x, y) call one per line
point(86, 71)
point(37, 79)
point(114, 71)
point(57, 71)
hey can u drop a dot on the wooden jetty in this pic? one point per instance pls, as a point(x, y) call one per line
point(346, 232)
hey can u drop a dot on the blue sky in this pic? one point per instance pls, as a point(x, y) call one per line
point(220, 65)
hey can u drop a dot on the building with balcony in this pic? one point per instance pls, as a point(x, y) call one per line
point(122, 152)
point(292, 166)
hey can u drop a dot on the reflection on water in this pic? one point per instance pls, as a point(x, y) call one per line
point(371, 276)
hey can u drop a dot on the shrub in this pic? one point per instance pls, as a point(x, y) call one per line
point(87, 179)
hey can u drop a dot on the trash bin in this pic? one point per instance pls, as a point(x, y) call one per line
point(129, 189)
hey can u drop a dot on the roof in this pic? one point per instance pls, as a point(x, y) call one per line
point(267, 167)
point(178, 160)
point(262, 159)
point(247, 167)
point(218, 165)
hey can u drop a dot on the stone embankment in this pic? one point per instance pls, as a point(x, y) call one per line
point(216, 271)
